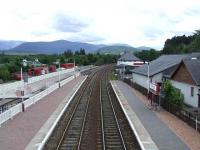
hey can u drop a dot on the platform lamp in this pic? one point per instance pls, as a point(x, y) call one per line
point(59, 75)
point(148, 78)
point(74, 69)
point(22, 90)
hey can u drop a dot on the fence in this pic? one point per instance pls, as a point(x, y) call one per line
point(188, 117)
point(136, 86)
point(32, 100)
point(9, 89)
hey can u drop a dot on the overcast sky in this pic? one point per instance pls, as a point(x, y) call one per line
point(134, 22)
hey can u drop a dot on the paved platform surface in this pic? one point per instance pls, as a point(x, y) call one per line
point(164, 138)
point(17, 133)
point(143, 137)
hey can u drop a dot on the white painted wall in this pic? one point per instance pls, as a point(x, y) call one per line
point(143, 80)
point(129, 63)
point(186, 90)
point(157, 78)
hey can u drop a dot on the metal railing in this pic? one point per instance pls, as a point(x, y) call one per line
point(32, 100)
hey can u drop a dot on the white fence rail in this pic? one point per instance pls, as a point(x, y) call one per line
point(9, 89)
point(10, 113)
point(32, 100)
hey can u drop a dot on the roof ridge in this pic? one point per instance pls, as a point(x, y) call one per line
point(188, 68)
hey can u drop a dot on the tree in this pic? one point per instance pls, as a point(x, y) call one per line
point(68, 53)
point(77, 52)
point(62, 59)
point(182, 44)
point(148, 55)
point(172, 95)
point(82, 51)
point(4, 73)
point(91, 58)
point(197, 33)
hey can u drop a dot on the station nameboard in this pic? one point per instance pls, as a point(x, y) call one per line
point(154, 87)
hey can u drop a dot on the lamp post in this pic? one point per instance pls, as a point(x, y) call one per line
point(74, 69)
point(148, 76)
point(123, 73)
point(22, 90)
point(59, 75)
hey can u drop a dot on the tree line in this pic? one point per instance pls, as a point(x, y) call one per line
point(9, 64)
point(175, 45)
point(182, 44)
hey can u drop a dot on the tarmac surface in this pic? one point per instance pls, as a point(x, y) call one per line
point(16, 134)
point(164, 137)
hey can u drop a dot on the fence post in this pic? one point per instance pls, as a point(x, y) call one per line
point(196, 124)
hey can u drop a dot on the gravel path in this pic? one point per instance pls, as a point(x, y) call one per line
point(17, 133)
point(186, 133)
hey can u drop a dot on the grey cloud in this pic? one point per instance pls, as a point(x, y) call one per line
point(180, 33)
point(192, 12)
point(66, 23)
point(37, 33)
point(90, 38)
point(169, 20)
point(152, 32)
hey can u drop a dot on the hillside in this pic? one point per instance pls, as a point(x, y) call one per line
point(144, 48)
point(116, 49)
point(5, 45)
point(54, 47)
point(59, 46)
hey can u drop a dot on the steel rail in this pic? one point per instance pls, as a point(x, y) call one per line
point(116, 120)
point(71, 117)
point(102, 122)
point(84, 120)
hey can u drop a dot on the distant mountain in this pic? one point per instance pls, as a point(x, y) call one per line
point(5, 45)
point(144, 48)
point(118, 44)
point(59, 46)
point(115, 49)
point(54, 47)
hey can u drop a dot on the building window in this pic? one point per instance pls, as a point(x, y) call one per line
point(192, 91)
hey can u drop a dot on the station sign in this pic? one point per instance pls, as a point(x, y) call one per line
point(154, 87)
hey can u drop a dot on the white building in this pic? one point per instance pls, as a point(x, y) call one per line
point(186, 78)
point(165, 64)
point(129, 59)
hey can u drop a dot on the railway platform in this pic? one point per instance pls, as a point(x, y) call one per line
point(26, 130)
point(150, 130)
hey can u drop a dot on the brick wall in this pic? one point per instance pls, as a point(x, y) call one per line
point(183, 75)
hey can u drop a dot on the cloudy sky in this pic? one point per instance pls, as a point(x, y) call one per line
point(134, 22)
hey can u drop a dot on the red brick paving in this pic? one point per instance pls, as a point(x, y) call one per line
point(17, 133)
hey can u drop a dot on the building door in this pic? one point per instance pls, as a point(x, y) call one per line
point(199, 98)
point(199, 101)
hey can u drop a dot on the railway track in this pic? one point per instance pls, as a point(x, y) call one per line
point(94, 119)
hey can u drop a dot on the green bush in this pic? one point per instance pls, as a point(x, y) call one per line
point(4, 73)
point(172, 95)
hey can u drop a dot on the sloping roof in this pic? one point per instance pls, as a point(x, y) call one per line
point(160, 64)
point(168, 72)
point(128, 57)
point(194, 55)
point(193, 67)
